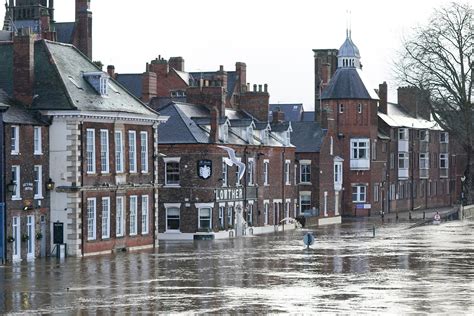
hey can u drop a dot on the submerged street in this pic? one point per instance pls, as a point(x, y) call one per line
point(428, 269)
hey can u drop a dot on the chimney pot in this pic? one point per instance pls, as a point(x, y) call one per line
point(254, 88)
point(259, 88)
point(265, 88)
point(111, 71)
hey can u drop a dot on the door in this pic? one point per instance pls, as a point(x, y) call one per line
point(30, 231)
point(16, 230)
point(43, 234)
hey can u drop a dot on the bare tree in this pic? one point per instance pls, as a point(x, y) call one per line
point(438, 58)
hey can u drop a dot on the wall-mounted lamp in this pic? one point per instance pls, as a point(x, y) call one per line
point(11, 187)
point(50, 185)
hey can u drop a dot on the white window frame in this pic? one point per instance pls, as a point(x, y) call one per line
point(266, 170)
point(424, 135)
point(305, 175)
point(90, 150)
point(37, 146)
point(338, 175)
point(250, 171)
point(221, 216)
point(167, 161)
point(225, 173)
point(105, 217)
point(133, 205)
point(341, 108)
point(359, 108)
point(17, 180)
point(16, 233)
point(403, 157)
point(361, 193)
point(30, 231)
point(237, 180)
point(120, 216)
point(104, 151)
point(266, 210)
point(204, 218)
point(144, 151)
point(119, 163)
point(305, 196)
point(145, 214)
point(91, 218)
point(15, 140)
point(132, 151)
point(445, 139)
point(403, 134)
point(287, 172)
point(360, 153)
point(376, 192)
point(168, 207)
point(38, 182)
point(230, 217)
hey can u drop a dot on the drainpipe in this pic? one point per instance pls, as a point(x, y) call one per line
point(3, 222)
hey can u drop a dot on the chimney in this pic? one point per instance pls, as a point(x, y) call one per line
point(111, 71)
point(176, 63)
point(23, 66)
point(415, 101)
point(45, 26)
point(160, 67)
point(149, 86)
point(383, 98)
point(83, 28)
point(241, 70)
point(278, 116)
point(214, 125)
point(325, 75)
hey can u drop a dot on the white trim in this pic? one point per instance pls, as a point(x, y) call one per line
point(91, 226)
point(110, 116)
point(250, 202)
point(147, 219)
point(287, 200)
point(135, 226)
point(277, 201)
point(305, 161)
point(222, 204)
point(40, 182)
point(16, 196)
point(106, 236)
point(144, 162)
point(93, 153)
point(16, 234)
point(16, 137)
point(121, 223)
point(168, 160)
point(168, 206)
point(202, 205)
point(119, 154)
point(104, 141)
point(30, 231)
point(132, 154)
point(37, 137)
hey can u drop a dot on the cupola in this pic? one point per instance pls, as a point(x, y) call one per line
point(348, 56)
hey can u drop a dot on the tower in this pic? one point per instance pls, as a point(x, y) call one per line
point(28, 14)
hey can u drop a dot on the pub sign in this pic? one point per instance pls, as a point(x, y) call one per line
point(204, 169)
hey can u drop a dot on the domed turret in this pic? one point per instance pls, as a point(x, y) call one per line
point(348, 56)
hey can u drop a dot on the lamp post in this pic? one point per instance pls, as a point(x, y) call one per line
point(3, 227)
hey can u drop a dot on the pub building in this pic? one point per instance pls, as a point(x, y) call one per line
point(202, 195)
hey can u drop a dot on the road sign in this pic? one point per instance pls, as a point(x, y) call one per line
point(308, 239)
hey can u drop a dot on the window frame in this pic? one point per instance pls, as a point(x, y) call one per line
point(202, 218)
point(305, 171)
point(266, 170)
point(91, 219)
point(106, 216)
point(16, 170)
point(133, 214)
point(359, 194)
point(168, 161)
point(15, 140)
point(287, 172)
point(119, 149)
point(37, 141)
point(104, 154)
point(38, 182)
point(120, 220)
point(132, 151)
point(178, 218)
point(144, 151)
point(90, 151)
point(145, 218)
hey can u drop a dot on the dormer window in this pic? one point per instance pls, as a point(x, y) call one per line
point(224, 132)
point(288, 137)
point(99, 81)
point(250, 135)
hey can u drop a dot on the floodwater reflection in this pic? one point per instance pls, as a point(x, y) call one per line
point(427, 269)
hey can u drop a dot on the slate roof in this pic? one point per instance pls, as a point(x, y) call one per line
point(18, 114)
point(397, 117)
point(64, 31)
point(293, 111)
point(60, 85)
point(308, 116)
point(307, 137)
point(133, 82)
point(348, 83)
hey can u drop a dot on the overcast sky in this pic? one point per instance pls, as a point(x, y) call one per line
point(274, 38)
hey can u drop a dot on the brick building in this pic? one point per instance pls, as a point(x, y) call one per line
point(38, 15)
point(102, 145)
point(27, 183)
point(395, 158)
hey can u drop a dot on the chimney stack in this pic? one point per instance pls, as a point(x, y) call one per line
point(278, 116)
point(149, 86)
point(241, 70)
point(383, 98)
point(23, 66)
point(83, 28)
point(111, 71)
point(214, 125)
point(176, 63)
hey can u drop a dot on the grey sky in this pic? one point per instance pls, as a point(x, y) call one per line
point(274, 38)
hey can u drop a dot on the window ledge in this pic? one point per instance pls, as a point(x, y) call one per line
point(305, 183)
point(38, 197)
point(14, 198)
point(172, 186)
point(38, 154)
point(172, 232)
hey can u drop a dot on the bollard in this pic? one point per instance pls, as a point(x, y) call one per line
point(373, 231)
point(396, 216)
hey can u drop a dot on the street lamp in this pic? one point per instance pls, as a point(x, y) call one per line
point(11, 187)
point(463, 178)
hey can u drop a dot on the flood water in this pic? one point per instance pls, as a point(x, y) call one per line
point(427, 269)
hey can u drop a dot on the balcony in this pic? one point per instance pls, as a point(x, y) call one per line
point(360, 164)
point(443, 172)
point(403, 173)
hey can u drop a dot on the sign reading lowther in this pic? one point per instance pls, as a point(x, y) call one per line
point(229, 194)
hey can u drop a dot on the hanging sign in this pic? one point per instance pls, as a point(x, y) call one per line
point(204, 169)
